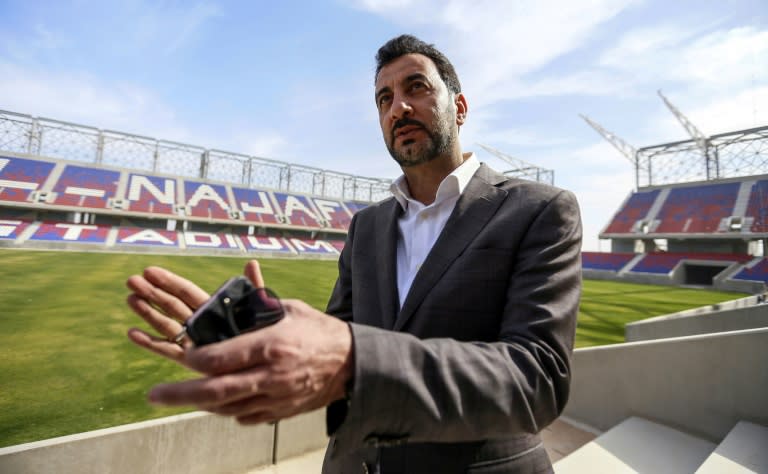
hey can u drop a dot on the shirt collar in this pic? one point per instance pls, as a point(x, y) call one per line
point(452, 185)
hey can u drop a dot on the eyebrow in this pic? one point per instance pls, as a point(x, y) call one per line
point(381, 91)
point(417, 76)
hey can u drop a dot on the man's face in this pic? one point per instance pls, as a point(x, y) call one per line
point(417, 113)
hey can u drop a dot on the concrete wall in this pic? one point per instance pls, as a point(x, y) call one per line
point(299, 435)
point(700, 384)
point(190, 443)
point(745, 313)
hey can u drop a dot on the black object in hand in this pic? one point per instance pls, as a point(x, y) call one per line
point(235, 308)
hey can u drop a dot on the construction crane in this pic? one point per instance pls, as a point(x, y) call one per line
point(522, 169)
point(701, 140)
point(627, 150)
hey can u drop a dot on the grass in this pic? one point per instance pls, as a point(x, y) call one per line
point(68, 367)
point(606, 306)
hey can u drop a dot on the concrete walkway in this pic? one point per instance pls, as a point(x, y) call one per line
point(562, 438)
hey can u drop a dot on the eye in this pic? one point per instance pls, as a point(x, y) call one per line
point(416, 86)
point(383, 100)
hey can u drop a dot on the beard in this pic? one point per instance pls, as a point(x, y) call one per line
point(414, 152)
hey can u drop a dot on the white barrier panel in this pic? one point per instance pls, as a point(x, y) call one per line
point(185, 444)
point(701, 384)
point(745, 313)
point(300, 434)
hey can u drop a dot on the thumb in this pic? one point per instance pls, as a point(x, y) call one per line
point(253, 272)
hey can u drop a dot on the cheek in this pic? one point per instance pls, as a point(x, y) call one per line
point(385, 130)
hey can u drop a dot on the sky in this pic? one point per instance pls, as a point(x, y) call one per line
point(293, 80)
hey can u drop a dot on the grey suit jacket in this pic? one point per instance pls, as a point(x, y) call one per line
point(476, 362)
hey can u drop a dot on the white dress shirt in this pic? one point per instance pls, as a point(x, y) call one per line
point(420, 225)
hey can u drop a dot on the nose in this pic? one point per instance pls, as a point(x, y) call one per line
point(400, 108)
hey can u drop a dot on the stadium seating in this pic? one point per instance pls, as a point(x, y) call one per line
point(85, 187)
point(758, 272)
point(757, 208)
point(337, 244)
point(67, 232)
point(255, 205)
point(697, 209)
point(265, 244)
point(116, 236)
point(206, 200)
point(297, 210)
point(151, 194)
point(663, 263)
point(309, 246)
point(636, 208)
point(11, 229)
point(605, 261)
point(89, 187)
point(152, 237)
point(34, 189)
point(20, 177)
point(210, 240)
point(333, 213)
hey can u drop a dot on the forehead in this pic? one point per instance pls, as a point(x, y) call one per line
point(404, 67)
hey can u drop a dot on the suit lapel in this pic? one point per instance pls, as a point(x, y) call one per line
point(477, 204)
point(386, 261)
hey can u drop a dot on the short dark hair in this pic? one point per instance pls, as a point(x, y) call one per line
point(407, 44)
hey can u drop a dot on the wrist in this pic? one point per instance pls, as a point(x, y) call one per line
point(343, 382)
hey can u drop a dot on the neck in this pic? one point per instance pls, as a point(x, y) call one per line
point(424, 179)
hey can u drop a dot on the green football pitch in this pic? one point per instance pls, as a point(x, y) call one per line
point(66, 365)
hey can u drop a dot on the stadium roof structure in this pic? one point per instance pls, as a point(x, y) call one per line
point(22, 133)
point(734, 154)
point(726, 155)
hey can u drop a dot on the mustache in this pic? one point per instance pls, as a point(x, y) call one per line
point(405, 122)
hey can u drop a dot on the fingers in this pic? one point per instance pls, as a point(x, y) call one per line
point(239, 353)
point(163, 299)
point(182, 289)
point(253, 273)
point(163, 347)
point(254, 395)
point(210, 392)
point(160, 322)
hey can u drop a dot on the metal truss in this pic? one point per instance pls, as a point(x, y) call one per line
point(22, 133)
point(726, 155)
point(522, 169)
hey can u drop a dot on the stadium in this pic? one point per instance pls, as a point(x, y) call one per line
point(684, 387)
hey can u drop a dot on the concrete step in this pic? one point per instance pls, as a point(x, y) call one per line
point(744, 449)
point(637, 445)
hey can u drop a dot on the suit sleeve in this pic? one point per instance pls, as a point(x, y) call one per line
point(340, 302)
point(442, 390)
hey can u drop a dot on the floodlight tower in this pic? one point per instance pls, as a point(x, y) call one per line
point(522, 168)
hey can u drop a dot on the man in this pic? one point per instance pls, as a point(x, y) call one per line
point(455, 307)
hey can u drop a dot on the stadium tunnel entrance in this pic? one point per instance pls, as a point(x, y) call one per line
point(701, 274)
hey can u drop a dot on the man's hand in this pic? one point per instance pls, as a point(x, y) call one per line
point(299, 364)
point(164, 300)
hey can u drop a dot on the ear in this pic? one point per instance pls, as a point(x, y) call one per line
point(461, 108)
